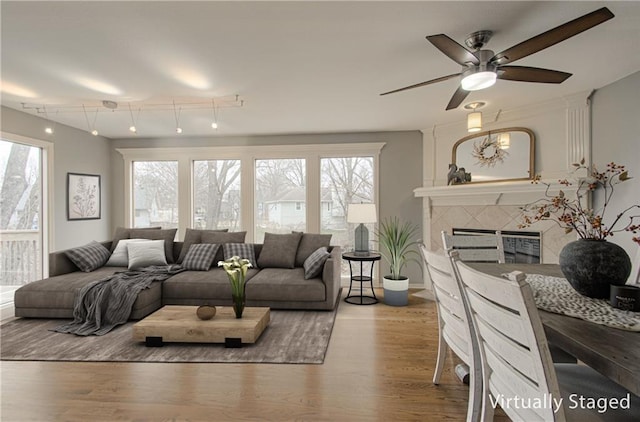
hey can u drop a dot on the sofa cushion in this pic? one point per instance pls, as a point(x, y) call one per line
point(89, 257)
point(168, 235)
point(199, 286)
point(200, 256)
point(315, 263)
point(279, 250)
point(125, 233)
point(285, 285)
point(222, 238)
point(120, 256)
point(146, 253)
point(194, 236)
point(243, 250)
point(309, 243)
point(54, 297)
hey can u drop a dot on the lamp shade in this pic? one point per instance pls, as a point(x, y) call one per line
point(474, 122)
point(362, 213)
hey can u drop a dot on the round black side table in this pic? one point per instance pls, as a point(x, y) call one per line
point(361, 299)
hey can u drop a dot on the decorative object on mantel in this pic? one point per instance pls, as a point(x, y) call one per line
point(206, 312)
point(397, 249)
point(457, 176)
point(236, 269)
point(497, 155)
point(591, 263)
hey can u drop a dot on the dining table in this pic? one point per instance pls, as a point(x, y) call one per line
point(613, 352)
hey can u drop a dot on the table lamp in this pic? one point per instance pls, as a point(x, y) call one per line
point(361, 213)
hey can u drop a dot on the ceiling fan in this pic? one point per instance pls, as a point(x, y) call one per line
point(481, 68)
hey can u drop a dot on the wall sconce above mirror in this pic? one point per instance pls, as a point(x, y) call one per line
point(495, 155)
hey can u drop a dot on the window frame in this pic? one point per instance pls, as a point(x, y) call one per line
point(185, 156)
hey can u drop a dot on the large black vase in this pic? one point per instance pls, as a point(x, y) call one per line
point(591, 265)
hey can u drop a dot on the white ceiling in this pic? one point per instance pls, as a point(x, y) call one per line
point(300, 67)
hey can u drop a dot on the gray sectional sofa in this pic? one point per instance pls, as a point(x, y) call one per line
point(275, 287)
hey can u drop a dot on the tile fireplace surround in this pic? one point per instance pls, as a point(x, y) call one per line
point(493, 206)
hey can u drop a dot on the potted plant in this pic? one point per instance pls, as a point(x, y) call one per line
point(590, 263)
point(398, 249)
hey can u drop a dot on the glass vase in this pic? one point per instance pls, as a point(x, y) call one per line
point(238, 302)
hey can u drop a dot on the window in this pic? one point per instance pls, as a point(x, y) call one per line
point(257, 189)
point(216, 194)
point(20, 214)
point(344, 181)
point(280, 195)
point(155, 194)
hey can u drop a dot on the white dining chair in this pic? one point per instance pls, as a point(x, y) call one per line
point(453, 325)
point(634, 278)
point(516, 363)
point(476, 248)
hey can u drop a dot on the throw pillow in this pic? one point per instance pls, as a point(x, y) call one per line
point(120, 256)
point(309, 243)
point(200, 256)
point(222, 238)
point(192, 237)
point(279, 250)
point(314, 264)
point(89, 257)
point(125, 233)
point(243, 250)
point(168, 235)
point(146, 253)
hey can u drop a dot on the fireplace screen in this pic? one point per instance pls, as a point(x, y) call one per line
point(520, 247)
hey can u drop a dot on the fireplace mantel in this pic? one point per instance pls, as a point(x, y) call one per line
point(498, 193)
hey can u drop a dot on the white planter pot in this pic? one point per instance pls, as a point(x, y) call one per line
point(396, 292)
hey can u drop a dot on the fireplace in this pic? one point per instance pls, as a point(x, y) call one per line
point(519, 246)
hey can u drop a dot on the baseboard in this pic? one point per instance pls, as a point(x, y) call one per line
point(7, 311)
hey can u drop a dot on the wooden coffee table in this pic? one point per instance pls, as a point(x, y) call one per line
point(179, 324)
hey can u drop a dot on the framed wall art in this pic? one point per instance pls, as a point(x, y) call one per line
point(83, 196)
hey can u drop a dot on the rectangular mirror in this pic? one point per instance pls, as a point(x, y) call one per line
point(496, 155)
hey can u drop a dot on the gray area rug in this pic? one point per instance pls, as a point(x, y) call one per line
point(291, 337)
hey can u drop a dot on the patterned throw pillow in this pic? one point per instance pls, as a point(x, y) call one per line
point(200, 256)
point(315, 263)
point(243, 250)
point(194, 236)
point(89, 257)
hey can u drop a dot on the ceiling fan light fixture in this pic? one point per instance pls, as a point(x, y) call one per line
point(474, 81)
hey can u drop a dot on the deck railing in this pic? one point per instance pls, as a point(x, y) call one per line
point(20, 252)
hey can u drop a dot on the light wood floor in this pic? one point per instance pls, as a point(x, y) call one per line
point(378, 367)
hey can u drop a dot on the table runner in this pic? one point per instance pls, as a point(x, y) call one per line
point(555, 294)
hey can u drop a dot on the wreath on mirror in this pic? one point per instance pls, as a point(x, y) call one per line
point(488, 152)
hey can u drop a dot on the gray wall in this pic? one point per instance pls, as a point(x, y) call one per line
point(616, 137)
point(74, 151)
point(400, 168)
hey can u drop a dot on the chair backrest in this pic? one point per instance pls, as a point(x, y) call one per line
point(475, 248)
point(513, 348)
point(452, 318)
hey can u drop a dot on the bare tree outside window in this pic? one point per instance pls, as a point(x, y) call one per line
point(216, 194)
point(20, 203)
point(280, 196)
point(155, 193)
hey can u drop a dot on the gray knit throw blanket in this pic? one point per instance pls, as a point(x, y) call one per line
point(102, 305)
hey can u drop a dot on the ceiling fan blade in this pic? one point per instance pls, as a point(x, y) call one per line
point(458, 98)
point(552, 36)
point(432, 81)
point(453, 50)
point(532, 74)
